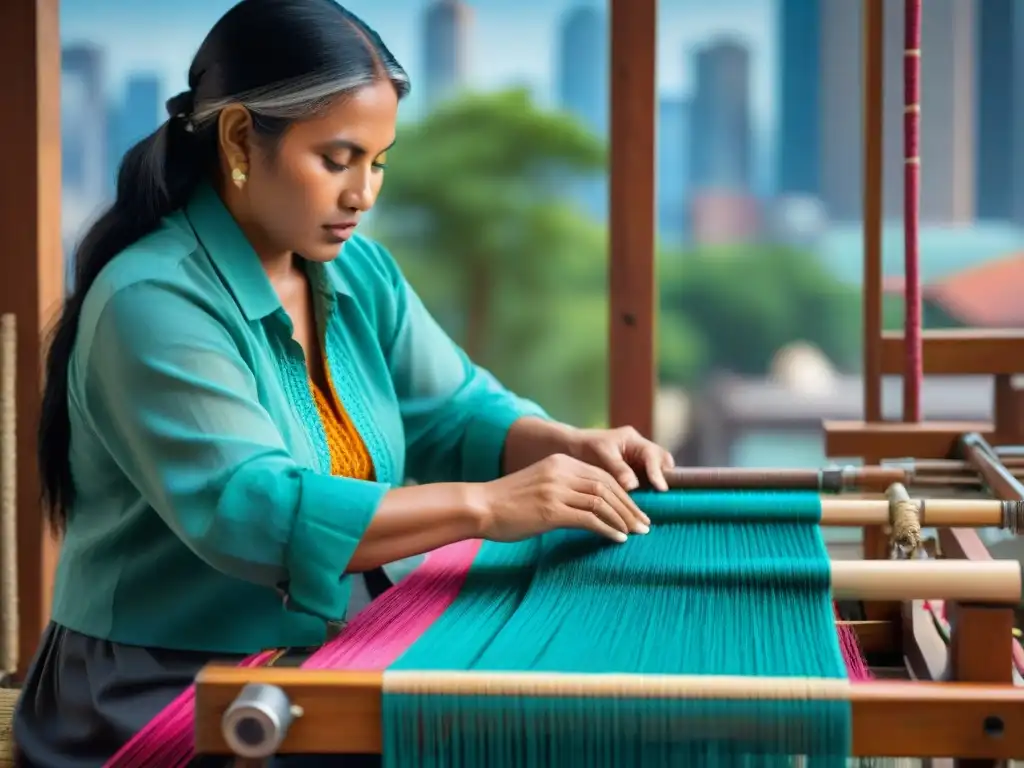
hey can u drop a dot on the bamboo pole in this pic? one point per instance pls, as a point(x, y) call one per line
point(8, 499)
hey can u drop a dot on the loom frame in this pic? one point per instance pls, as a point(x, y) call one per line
point(980, 647)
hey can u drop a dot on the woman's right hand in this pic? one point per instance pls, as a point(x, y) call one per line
point(558, 492)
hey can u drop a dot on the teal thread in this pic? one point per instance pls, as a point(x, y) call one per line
point(725, 584)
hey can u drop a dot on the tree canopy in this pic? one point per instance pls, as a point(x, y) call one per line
point(476, 209)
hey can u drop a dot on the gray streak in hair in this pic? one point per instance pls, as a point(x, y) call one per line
point(293, 99)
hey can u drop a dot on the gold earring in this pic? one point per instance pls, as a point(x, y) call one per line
point(238, 176)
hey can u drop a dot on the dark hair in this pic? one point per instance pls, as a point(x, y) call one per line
point(283, 60)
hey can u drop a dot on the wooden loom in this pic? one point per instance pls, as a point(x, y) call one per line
point(258, 712)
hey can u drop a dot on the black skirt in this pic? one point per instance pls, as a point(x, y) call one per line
point(84, 698)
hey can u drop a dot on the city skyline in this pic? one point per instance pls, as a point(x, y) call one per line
point(510, 44)
point(517, 37)
point(718, 159)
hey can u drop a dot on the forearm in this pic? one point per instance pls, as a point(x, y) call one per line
point(417, 519)
point(531, 439)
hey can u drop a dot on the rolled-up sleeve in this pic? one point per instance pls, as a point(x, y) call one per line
point(168, 391)
point(456, 414)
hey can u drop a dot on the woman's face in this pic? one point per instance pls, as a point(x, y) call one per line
point(308, 192)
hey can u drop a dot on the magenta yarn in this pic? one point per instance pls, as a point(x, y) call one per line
point(372, 640)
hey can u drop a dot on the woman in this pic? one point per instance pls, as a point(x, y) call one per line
point(239, 385)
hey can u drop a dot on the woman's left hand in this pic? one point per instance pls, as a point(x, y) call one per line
point(622, 453)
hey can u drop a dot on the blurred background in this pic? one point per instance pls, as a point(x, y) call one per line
point(495, 198)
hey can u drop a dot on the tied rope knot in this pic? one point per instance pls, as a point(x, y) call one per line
point(904, 520)
point(181, 107)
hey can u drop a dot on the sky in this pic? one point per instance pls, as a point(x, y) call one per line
point(512, 41)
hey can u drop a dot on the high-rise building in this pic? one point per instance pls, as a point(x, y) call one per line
point(583, 62)
point(799, 153)
point(137, 116)
point(583, 91)
point(83, 122)
point(445, 30)
point(1000, 115)
point(672, 172)
point(720, 137)
point(841, 132)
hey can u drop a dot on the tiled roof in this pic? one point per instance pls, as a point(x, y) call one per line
point(990, 295)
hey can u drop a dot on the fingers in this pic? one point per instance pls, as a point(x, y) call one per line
point(592, 490)
point(597, 483)
point(621, 471)
point(619, 492)
point(656, 460)
point(597, 515)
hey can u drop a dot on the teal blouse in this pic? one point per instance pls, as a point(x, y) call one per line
point(202, 473)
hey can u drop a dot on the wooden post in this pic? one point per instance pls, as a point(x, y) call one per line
point(632, 298)
point(981, 651)
point(1008, 410)
point(874, 70)
point(874, 79)
point(33, 284)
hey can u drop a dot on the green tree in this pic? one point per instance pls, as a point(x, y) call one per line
point(747, 302)
point(474, 207)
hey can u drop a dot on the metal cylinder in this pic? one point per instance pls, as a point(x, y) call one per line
point(257, 721)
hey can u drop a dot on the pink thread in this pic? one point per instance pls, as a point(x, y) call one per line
point(374, 639)
point(857, 669)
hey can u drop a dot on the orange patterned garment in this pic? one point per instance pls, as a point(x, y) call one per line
point(349, 456)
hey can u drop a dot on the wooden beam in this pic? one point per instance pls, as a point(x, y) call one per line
point(961, 352)
point(893, 439)
point(875, 541)
point(872, 97)
point(890, 719)
point(33, 284)
point(631, 213)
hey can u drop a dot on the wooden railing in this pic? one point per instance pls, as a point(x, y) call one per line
point(969, 352)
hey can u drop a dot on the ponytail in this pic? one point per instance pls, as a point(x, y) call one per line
point(157, 176)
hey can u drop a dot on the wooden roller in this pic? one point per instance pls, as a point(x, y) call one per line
point(832, 480)
point(938, 513)
point(994, 582)
point(299, 710)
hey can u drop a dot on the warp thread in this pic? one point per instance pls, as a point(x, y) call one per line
point(725, 584)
